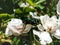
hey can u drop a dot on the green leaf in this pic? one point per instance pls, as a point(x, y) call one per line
point(17, 41)
point(40, 6)
point(27, 9)
point(18, 11)
point(5, 16)
point(30, 2)
point(40, 1)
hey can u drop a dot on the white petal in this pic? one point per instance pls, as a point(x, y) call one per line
point(36, 33)
point(43, 42)
point(31, 13)
point(34, 15)
point(27, 28)
point(54, 18)
point(22, 5)
point(16, 22)
point(40, 27)
point(27, 4)
point(58, 13)
point(58, 7)
point(14, 30)
point(57, 34)
point(44, 18)
point(59, 17)
point(8, 32)
point(45, 36)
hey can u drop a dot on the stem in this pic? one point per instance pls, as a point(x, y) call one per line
point(31, 37)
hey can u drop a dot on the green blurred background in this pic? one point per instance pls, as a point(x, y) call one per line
point(11, 9)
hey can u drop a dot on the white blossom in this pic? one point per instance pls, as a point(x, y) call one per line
point(54, 25)
point(49, 24)
point(16, 27)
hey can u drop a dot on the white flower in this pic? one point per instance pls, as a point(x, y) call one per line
point(16, 27)
point(24, 4)
point(49, 24)
point(44, 37)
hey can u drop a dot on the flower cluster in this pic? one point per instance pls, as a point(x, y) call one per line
point(49, 26)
